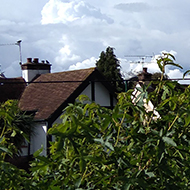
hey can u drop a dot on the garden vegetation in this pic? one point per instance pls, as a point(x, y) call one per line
point(123, 149)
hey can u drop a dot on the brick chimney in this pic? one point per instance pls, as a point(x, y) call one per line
point(32, 68)
point(144, 78)
point(144, 75)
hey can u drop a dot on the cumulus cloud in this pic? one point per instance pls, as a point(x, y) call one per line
point(66, 56)
point(178, 76)
point(176, 73)
point(91, 62)
point(72, 32)
point(58, 11)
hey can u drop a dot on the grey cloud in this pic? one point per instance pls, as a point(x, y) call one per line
point(157, 27)
point(89, 10)
point(132, 7)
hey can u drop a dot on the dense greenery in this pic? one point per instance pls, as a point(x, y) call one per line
point(109, 65)
point(15, 126)
point(15, 129)
point(125, 148)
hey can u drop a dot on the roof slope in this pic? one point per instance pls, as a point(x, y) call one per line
point(46, 95)
point(11, 88)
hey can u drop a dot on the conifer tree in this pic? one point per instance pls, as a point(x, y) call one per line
point(109, 65)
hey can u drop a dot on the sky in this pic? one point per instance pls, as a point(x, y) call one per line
point(71, 34)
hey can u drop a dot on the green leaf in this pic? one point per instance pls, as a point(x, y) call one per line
point(78, 183)
point(164, 102)
point(186, 72)
point(139, 89)
point(4, 149)
point(100, 140)
point(13, 133)
point(160, 65)
point(150, 174)
point(174, 64)
point(55, 188)
point(187, 119)
point(169, 141)
point(126, 186)
point(82, 165)
point(38, 152)
point(43, 159)
point(60, 144)
point(161, 157)
point(171, 55)
point(109, 145)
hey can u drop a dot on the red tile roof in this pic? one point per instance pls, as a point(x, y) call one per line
point(46, 97)
point(11, 88)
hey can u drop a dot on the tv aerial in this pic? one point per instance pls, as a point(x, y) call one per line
point(18, 43)
point(142, 57)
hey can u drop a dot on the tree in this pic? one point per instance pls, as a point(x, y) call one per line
point(109, 65)
point(15, 126)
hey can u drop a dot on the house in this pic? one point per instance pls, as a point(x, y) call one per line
point(47, 94)
point(11, 88)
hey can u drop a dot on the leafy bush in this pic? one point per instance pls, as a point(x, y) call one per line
point(123, 148)
point(15, 126)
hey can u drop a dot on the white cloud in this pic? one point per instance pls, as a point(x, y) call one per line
point(174, 74)
point(178, 74)
point(9, 72)
point(91, 62)
point(57, 11)
point(67, 32)
point(66, 55)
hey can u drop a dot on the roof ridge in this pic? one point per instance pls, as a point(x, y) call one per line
point(91, 68)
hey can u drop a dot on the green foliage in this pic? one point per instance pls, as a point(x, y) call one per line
point(186, 73)
point(15, 126)
point(109, 65)
point(126, 148)
point(14, 178)
point(14, 129)
point(123, 148)
point(167, 59)
point(157, 76)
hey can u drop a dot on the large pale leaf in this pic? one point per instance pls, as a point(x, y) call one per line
point(169, 141)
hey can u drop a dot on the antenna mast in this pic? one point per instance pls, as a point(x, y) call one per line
point(18, 43)
point(142, 57)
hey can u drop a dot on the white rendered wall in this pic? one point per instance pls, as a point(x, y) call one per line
point(102, 95)
point(87, 91)
point(28, 75)
point(39, 139)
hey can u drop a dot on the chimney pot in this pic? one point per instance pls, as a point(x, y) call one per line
point(29, 60)
point(35, 60)
point(145, 69)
